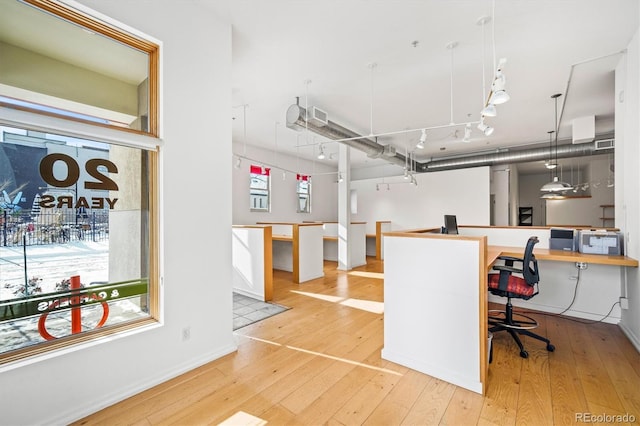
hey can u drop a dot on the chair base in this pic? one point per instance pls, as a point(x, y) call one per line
point(515, 327)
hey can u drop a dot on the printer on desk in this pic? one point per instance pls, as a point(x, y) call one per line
point(587, 241)
point(601, 242)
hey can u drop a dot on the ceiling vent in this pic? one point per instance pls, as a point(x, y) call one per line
point(389, 151)
point(604, 144)
point(318, 117)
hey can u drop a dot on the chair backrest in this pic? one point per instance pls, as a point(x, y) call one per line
point(530, 264)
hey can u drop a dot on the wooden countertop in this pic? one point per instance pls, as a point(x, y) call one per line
point(560, 256)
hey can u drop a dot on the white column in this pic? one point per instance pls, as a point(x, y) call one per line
point(344, 208)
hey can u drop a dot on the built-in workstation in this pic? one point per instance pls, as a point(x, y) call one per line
point(298, 248)
point(436, 299)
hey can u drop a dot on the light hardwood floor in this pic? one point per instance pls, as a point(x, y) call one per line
point(319, 363)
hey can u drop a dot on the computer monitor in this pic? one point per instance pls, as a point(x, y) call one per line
point(450, 224)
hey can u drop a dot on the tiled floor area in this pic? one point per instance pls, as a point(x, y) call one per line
point(247, 310)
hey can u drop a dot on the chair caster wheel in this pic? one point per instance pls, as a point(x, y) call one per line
point(524, 354)
point(550, 347)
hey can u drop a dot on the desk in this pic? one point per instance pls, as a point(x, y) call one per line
point(560, 256)
point(435, 295)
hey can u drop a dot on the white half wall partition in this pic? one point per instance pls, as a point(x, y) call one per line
point(434, 309)
point(357, 242)
point(298, 248)
point(252, 261)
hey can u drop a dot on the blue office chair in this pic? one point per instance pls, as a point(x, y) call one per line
point(521, 283)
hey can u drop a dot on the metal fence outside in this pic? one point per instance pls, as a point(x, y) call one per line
point(54, 226)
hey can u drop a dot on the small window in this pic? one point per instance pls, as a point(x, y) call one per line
point(259, 187)
point(303, 190)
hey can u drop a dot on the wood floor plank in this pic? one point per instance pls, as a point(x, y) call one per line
point(566, 388)
point(596, 383)
point(398, 402)
point(622, 374)
point(503, 384)
point(319, 363)
point(365, 400)
point(464, 408)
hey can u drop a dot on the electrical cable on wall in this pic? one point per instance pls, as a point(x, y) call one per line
point(575, 293)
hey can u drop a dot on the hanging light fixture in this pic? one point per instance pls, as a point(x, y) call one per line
point(555, 186)
point(321, 155)
point(550, 164)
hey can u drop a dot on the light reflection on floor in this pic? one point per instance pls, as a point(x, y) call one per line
point(365, 305)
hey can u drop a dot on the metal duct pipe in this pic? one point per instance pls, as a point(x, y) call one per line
point(296, 119)
point(509, 157)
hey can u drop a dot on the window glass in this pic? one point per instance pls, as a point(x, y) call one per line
point(303, 193)
point(78, 218)
point(259, 188)
point(74, 237)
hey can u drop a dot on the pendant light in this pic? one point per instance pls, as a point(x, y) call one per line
point(555, 186)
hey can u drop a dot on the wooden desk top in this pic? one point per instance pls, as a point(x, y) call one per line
point(560, 256)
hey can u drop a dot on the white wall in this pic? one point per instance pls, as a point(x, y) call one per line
point(324, 188)
point(196, 103)
point(464, 193)
point(501, 195)
point(628, 177)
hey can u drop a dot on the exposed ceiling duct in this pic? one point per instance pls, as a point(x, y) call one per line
point(296, 119)
point(514, 156)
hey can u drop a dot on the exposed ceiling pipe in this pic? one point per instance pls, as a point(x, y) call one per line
point(513, 156)
point(296, 119)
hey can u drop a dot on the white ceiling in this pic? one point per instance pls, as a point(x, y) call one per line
point(322, 52)
point(551, 46)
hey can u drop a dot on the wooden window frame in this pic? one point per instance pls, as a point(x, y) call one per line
point(152, 49)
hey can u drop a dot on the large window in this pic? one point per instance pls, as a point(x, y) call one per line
point(259, 188)
point(303, 193)
point(78, 216)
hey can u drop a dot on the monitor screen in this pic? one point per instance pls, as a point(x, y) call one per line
point(451, 224)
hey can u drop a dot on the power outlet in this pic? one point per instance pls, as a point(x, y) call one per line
point(186, 334)
point(624, 303)
point(581, 265)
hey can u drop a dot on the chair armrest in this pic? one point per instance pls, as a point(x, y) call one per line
point(513, 259)
point(507, 268)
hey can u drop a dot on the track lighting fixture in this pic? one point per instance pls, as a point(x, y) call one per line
point(489, 110)
point(238, 163)
point(423, 139)
point(484, 128)
point(321, 153)
point(498, 94)
point(340, 178)
point(467, 133)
